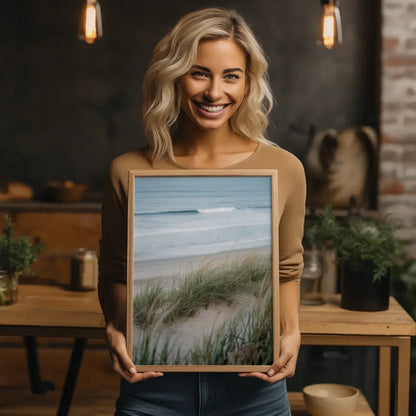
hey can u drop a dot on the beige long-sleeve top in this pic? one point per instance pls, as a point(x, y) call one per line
point(291, 208)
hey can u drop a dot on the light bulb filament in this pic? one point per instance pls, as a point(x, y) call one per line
point(328, 35)
point(90, 23)
point(91, 27)
point(330, 30)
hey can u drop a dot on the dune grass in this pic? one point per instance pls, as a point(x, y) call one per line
point(245, 339)
point(209, 283)
point(152, 349)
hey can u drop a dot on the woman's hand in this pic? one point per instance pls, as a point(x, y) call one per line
point(286, 364)
point(122, 363)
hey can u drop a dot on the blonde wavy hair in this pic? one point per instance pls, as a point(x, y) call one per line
point(174, 56)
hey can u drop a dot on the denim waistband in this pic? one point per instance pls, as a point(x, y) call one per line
point(202, 394)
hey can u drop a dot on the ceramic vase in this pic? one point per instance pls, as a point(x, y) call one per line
point(360, 292)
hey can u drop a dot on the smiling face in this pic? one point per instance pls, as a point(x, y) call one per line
point(213, 89)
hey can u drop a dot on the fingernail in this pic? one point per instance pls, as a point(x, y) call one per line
point(132, 370)
point(270, 373)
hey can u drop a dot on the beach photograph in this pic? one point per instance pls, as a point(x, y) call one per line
point(202, 270)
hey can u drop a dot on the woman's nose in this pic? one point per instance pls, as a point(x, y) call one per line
point(213, 92)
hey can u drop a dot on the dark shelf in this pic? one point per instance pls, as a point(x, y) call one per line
point(44, 206)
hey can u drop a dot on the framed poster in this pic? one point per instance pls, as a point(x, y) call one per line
point(203, 270)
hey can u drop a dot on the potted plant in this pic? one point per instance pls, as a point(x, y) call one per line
point(367, 249)
point(16, 256)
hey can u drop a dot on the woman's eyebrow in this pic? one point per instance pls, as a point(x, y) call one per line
point(226, 71)
point(203, 68)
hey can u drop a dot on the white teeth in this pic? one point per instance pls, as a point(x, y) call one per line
point(212, 109)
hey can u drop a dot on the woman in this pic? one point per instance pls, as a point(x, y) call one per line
point(206, 102)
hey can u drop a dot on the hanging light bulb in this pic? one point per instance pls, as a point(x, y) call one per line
point(330, 32)
point(91, 27)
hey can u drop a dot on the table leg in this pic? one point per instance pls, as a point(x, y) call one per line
point(403, 377)
point(71, 376)
point(384, 374)
point(37, 386)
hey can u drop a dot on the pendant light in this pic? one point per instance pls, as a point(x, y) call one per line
point(330, 32)
point(91, 27)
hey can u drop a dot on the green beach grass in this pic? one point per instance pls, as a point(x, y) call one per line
point(207, 284)
point(244, 339)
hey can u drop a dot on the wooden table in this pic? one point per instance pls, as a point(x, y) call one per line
point(52, 311)
point(55, 312)
point(329, 324)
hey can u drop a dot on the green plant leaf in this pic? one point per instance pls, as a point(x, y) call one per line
point(16, 255)
point(357, 240)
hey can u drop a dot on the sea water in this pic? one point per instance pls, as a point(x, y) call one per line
point(188, 216)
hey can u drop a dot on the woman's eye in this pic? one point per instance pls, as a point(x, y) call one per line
point(232, 76)
point(199, 74)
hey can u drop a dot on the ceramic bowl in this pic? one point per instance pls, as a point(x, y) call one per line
point(330, 399)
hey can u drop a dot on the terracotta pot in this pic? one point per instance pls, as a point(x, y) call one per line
point(8, 287)
point(359, 292)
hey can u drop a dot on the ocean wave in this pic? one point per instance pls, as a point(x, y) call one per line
point(189, 211)
point(214, 210)
point(195, 229)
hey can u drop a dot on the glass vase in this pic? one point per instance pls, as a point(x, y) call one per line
point(8, 287)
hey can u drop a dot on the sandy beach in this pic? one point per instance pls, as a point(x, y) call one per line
point(147, 270)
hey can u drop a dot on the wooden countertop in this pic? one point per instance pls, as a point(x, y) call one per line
point(331, 319)
point(53, 311)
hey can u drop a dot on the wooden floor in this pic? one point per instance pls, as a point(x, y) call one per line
point(96, 373)
point(19, 401)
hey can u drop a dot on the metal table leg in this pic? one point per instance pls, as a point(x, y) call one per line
point(71, 376)
point(37, 385)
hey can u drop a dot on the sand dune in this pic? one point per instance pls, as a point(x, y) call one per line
point(147, 270)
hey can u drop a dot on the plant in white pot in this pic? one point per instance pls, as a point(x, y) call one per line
point(16, 256)
point(367, 249)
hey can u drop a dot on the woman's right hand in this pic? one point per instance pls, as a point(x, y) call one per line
point(122, 363)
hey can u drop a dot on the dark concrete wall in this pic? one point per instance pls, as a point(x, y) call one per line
point(68, 108)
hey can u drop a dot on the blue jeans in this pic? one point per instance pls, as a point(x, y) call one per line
point(202, 394)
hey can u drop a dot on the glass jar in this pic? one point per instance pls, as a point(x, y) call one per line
point(8, 287)
point(84, 270)
point(311, 280)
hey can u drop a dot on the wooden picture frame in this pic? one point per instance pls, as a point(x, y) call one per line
point(203, 283)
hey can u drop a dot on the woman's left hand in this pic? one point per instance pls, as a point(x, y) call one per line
point(286, 364)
